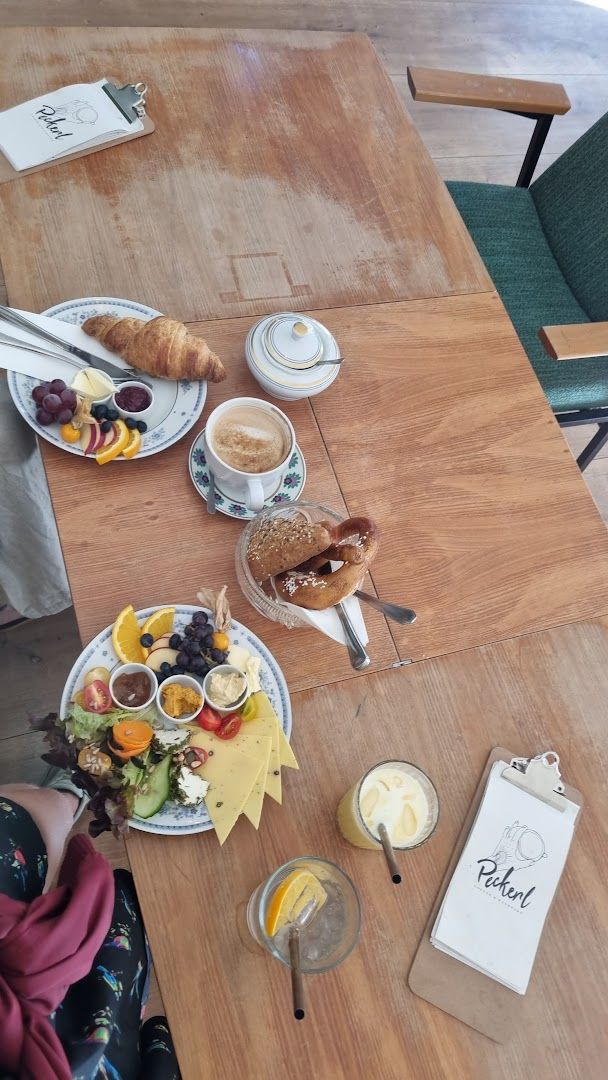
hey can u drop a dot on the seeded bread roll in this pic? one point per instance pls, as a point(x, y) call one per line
point(282, 543)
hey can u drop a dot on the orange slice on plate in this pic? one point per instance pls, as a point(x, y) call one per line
point(159, 623)
point(115, 448)
point(126, 633)
point(134, 444)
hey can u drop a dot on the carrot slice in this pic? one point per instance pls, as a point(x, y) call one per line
point(124, 755)
point(131, 733)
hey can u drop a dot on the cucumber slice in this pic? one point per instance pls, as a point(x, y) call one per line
point(147, 804)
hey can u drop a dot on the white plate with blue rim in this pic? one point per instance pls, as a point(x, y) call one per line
point(177, 403)
point(174, 819)
point(288, 490)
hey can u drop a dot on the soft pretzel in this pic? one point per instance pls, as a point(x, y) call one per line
point(161, 346)
point(280, 544)
point(354, 541)
point(307, 588)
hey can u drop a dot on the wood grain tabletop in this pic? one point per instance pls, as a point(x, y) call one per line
point(138, 532)
point(438, 429)
point(284, 172)
point(229, 1006)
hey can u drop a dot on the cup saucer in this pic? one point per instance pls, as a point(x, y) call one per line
point(290, 488)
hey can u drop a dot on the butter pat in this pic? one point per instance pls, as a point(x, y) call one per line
point(93, 384)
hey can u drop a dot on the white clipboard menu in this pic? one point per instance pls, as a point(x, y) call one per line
point(71, 121)
point(476, 956)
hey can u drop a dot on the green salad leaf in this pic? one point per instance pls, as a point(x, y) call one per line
point(86, 727)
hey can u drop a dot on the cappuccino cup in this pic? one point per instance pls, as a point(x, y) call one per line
point(248, 445)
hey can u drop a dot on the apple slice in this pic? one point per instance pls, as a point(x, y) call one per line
point(107, 437)
point(90, 437)
point(161, 643)
point(161, 656)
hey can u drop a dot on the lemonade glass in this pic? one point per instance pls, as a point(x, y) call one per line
point(328, 937)
point(350, 816)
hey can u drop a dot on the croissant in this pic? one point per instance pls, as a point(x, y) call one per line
point(162, 347)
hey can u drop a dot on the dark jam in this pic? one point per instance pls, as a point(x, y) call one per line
point(133, 399)
point(132, 690)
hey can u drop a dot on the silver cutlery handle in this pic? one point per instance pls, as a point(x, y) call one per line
point(18, 320)
point(359, 658)
point(403, 615)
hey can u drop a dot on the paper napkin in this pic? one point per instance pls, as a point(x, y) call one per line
point(328, 622)
point(496, 903)
point(41, 367)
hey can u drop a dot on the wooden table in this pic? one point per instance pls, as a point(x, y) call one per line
point(229, 1007)
point(269, 185)
point(283, 173)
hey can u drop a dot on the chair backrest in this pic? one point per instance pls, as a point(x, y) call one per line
point(571, 199)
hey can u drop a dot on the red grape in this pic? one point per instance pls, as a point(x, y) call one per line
point(65, 416)
point(38, 393)
point(57, 386)
point(43, 417)
point(68, 398)
point(52, 403)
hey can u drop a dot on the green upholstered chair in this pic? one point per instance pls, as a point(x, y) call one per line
point(545, 245)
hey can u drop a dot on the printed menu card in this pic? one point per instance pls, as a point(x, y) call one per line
point(61, 122)
point(496, 903)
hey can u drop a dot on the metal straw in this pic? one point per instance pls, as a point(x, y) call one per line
point(297, 988)
point(389, 854)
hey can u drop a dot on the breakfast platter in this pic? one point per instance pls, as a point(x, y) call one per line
point(173, 406)
point(125, 736)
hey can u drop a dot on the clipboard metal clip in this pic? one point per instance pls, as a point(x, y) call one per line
point(540, 776)
point(129, 99)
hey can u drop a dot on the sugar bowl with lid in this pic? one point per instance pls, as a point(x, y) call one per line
point(290, 354)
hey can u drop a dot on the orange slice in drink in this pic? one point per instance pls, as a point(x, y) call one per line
point(291, 897)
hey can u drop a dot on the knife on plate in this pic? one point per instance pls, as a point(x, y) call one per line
point(18, 320)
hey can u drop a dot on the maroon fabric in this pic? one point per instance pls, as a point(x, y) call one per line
point(45, 946)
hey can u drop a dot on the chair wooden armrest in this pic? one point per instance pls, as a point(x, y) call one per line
point(487, 91)
point(576, 340)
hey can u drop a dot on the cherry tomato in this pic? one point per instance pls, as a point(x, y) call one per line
point(97, 697)
point(231, 725)
point(208, 719)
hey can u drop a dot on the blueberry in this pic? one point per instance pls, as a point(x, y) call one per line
point(217, 655)
point(142, 426)
point(165, 668)
point(146, 640)
point(112, 414)
point(177, 670)
point(160, 676)
point(182, 659)
point(101, 412)
point(175, 641)
point(200, 618)
point(105, 426)
point(131, 423)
